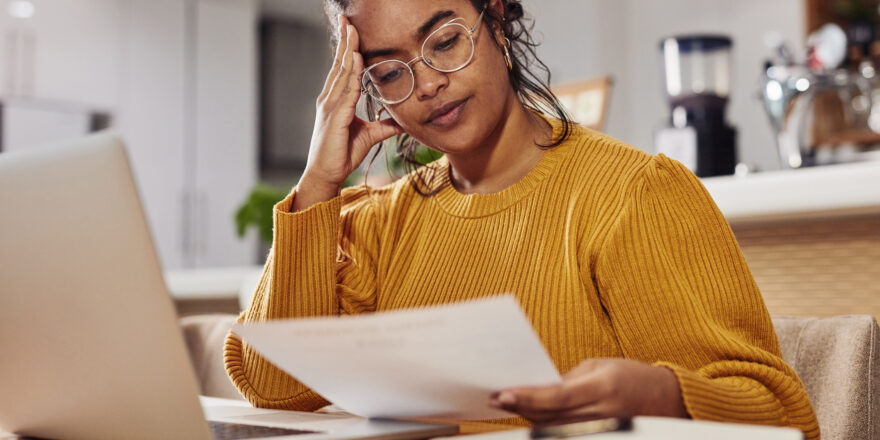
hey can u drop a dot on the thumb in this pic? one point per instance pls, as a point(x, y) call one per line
point(384, 129)
point(372, 133)
point(368, 134)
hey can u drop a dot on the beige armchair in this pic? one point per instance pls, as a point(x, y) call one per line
point(837, 358)
point(204, 335)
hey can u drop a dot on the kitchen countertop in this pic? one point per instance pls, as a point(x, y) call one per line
point(818, 192)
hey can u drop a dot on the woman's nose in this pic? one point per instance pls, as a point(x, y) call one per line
point(429, 82)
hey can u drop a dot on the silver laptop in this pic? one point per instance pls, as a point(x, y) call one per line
point(91, 348)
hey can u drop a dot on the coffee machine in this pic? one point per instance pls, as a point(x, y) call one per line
point(696, 78)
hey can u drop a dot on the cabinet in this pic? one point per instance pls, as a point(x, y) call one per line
point(178, 77)
point(188, 115)
point(224, 165)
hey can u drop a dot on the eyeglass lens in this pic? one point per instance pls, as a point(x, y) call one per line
point(448, 49)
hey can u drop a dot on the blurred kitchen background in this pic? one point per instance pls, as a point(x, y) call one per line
point(772, 103)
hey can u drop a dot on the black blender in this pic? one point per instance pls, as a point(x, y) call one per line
point(697, 84)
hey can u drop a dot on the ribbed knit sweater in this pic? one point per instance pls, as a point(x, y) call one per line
point(610, 251)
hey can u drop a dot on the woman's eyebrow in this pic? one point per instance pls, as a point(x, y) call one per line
point(370, 54)
point(425, 28)
point(421, 33)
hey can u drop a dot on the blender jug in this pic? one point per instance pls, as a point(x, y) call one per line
point(696, 79)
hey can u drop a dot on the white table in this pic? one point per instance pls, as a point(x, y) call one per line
point(659, 428)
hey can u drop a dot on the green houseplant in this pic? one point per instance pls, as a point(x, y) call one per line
point(256, 210)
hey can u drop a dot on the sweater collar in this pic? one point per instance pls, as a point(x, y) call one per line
point(455, 203)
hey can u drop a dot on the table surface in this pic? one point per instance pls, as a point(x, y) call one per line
point(647, 428)
point(660, 428)
point(654, 428)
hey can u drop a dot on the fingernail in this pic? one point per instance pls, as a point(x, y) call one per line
point(507, 398)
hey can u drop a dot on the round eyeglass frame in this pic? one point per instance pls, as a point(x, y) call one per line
point(471, 33)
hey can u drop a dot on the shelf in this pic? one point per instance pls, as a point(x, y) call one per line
point(818, 192)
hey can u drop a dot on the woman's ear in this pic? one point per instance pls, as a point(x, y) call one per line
point(496, 9)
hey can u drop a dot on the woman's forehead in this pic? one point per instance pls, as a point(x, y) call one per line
point(384, 24)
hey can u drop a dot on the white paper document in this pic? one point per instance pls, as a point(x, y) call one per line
point(440, 361)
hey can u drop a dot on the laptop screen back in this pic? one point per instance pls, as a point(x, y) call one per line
point(91, 345)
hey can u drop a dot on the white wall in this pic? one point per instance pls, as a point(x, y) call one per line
point(585, 38)
point(44, 56)
point(179, 77)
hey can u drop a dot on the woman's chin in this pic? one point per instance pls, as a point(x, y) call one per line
point(454, 148)
point(455, 143)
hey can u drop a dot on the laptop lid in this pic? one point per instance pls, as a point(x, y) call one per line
point(91, 345)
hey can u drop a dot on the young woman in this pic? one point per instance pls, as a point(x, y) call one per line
point(624, 265)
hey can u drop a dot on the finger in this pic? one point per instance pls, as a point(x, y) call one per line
point(573, 392)
point(337, 58)
point(582, 414)
point(354, 41)
point(341, 46)
point(586, 367)
point(352, 91)
point(341, 82)
point(353, 88)
point(543, 398)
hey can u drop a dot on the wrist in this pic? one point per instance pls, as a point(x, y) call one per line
point(674, 406)
point(310, 191)
point(309, 181)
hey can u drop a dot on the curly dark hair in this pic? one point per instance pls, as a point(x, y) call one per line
point(529, 77)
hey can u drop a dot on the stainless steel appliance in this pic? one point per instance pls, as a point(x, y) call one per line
point(789, 90)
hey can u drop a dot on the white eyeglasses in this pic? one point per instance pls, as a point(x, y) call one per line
point(448, 49)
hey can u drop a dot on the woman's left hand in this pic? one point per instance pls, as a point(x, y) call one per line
point(596, 389)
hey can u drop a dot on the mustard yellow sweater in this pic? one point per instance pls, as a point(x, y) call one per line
point(611, 252)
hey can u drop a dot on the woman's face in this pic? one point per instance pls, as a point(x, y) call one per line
point(480, 93)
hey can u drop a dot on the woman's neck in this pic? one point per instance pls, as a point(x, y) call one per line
point(507, 155)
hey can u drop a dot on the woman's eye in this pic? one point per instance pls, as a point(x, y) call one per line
point(389, 76)
point(446, 44)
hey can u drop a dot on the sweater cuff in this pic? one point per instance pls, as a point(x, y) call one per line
point(323, 216)
point(305, 250)
point(737, 399)
point(306, 400)
point(283, 207)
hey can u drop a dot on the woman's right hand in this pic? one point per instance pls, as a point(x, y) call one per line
point(340, 140)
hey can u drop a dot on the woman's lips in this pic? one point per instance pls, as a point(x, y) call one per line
point(449, 114)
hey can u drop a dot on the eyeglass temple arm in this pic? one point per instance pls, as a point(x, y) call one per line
point(476, 27)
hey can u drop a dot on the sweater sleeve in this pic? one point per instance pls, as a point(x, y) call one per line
point(322, 263)
point(680, 295)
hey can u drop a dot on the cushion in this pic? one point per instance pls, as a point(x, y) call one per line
point(204, 335)
point(838, 359)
